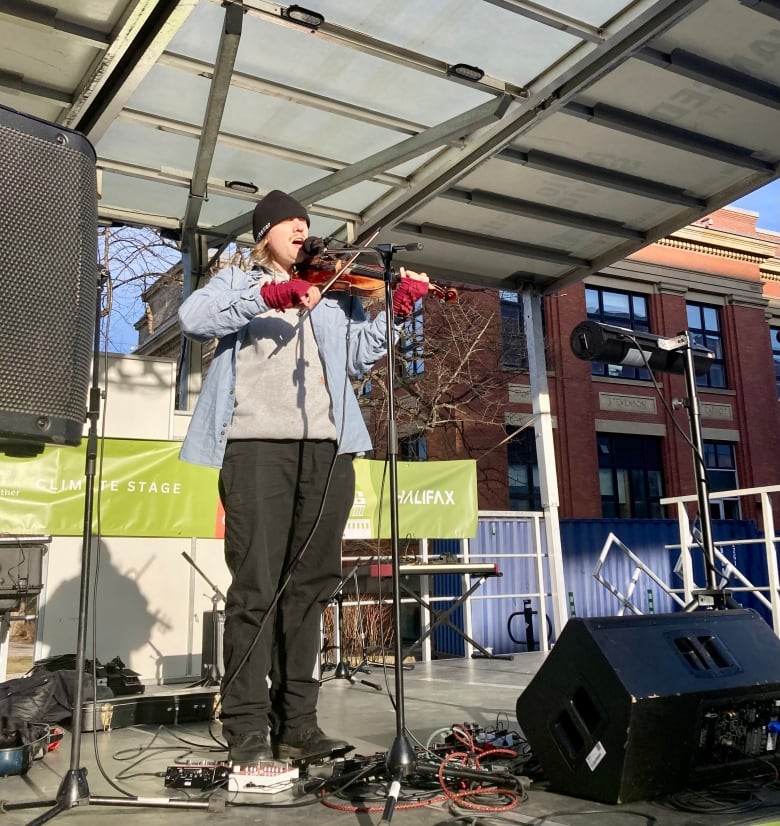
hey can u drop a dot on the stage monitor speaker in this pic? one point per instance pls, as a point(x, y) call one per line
point(630, 708)
point(48, 279)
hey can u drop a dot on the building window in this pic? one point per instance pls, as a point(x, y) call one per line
point(524, 491)
point(630, 476)
point(514, 351)
point(774, 334)
point(721, 466)
point(704, 331)
point(410, 362)
point(413, 449)
point(623, 310)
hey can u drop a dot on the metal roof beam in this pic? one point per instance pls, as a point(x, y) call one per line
point(239, 142)
point(122, 216)
point(343, 36)
point(491, 243)
point(716, 75)
point(18, 85)
point(413, 147)
point(49, 17)
point(215, 107)
point(443, 171)
point(553, 19)
point(294, 95)
point(601, 176)
point(171, 177)
point(666, 227)
point(181, 178)
point(771, 8)
point(252, 146)
point(143, 35)
point(541, 212)
point(439, 135)
point(639, 126)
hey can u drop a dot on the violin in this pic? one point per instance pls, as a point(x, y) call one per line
point(362, 280)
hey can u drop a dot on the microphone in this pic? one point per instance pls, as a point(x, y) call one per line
point(314, 246)
point(413, 247)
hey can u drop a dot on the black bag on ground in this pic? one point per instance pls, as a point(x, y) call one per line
point(44, 696)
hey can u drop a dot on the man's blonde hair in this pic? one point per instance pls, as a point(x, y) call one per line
point(259, 252)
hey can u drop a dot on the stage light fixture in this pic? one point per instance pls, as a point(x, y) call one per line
point(594, 341)
point(242, 186)
point(466, 72)
point(303, 17)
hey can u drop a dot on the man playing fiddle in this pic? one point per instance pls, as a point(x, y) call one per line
point(278, 415)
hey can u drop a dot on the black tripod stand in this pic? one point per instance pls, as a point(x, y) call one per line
point(342, 669)
point(401, 758)
point(74, 790)
point(594, 341)
point(713, 596)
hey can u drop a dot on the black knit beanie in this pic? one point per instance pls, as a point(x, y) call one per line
point(277, 206)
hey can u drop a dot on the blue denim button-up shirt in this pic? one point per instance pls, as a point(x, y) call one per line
point(223, 308)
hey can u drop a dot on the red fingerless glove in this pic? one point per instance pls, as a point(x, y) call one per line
point(409, 291)
point(284, 295)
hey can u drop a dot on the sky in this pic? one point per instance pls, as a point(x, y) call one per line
point(764, 201)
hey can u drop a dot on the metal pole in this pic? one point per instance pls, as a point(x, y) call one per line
point(702, 489)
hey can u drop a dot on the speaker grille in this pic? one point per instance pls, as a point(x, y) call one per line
point(48, 278)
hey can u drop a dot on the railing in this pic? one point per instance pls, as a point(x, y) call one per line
point(732, 579)
point(531, 564)
point(512, 541)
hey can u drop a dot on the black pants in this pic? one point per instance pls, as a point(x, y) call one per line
point(272, 492)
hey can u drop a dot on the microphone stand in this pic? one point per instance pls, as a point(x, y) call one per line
point(401, 759)
point(713, 596)
point(74, 789)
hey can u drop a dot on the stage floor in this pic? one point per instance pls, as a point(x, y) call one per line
point(437, 695)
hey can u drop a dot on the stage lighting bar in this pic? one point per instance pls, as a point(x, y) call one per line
point(594, 341)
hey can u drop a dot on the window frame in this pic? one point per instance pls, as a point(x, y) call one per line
point(514, 356)
point(625, 477)
point(410, 361)
point(774, 338)
point(526, 463)
point(702, 334)
point(631, 320)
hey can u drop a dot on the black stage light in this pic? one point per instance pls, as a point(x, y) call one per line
point(303, 17)
point(466, 72)
point(594, 341)
point(242, 186)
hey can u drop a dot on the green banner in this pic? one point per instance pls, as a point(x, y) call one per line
point(436, 500)
point(142, 489)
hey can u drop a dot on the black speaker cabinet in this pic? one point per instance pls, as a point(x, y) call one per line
point(630, 708)
point(48, 279)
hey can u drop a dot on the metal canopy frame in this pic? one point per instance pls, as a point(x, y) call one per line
point(591, 128)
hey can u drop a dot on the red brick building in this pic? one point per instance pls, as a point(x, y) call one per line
point(620, 444)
